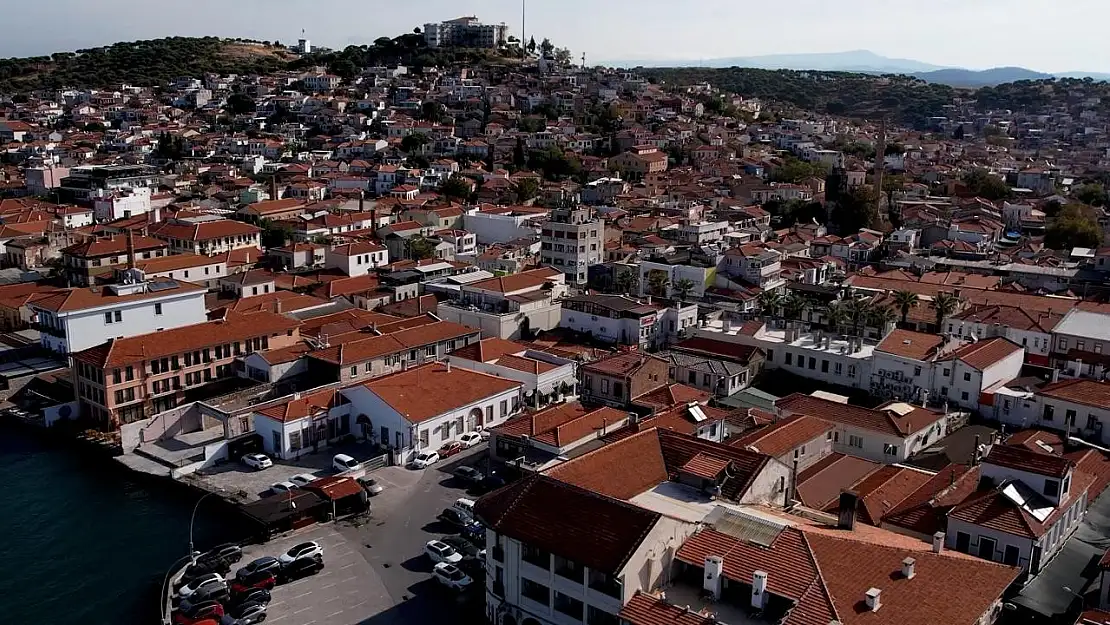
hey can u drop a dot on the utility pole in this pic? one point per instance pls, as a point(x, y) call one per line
point(523, 42)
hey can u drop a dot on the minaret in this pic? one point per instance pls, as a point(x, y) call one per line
point(880, 165)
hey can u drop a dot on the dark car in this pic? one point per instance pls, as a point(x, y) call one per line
point(265, 563)
point(301, 567)
point(255, 579)
point(244, 608)
point(466, 548)
point(492, 482)
point(230, 553)
point(453, 517)
point(474, 532)
point(193, 608)
point(252, 595)
point(215, 591)
point(193, 571)
point(470, 475)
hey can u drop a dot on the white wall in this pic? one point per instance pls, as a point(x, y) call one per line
point(87, 328)
point(499, 228)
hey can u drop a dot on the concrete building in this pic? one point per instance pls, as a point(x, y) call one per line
point(509, 306)
point(572, 241)
point(626, 321)
point(465, 32)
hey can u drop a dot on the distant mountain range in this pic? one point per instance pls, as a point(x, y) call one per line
point(865, 61)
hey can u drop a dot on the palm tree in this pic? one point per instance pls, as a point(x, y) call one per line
point(856, 311)
point(769, 302)
point(905, 300)
point(793, 305)
point(658, 281)
point(627, 281)
point(682, 288)
point(881, 317)
point(944, 304)
point(835, 316)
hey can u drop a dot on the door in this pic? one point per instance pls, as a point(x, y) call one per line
point(276, 442)
point(986, 548)
point(963, 542)
point(384, 440)
point(1011, 555)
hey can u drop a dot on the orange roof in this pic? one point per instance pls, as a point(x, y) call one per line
point(488, 350)
point(530, 279)
point(983, 354)
point(784, 436)
point(431, 390)
point(112, 246)
point(300, 406)
point(175, 262)
point(205, 230)
point(83, 298)
point(911, 345)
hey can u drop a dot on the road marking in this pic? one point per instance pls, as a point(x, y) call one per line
point(304, 609)
point(347, 566)
point(334, 614)
point(331, 585)
point(303, 594)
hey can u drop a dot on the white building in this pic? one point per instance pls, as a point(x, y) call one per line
point(571, 242)
point(356, 259)
point(626, 321)
point(465, 32)
point(545, 377)
point(112, 205)
point(75, 319)
point(509, 306)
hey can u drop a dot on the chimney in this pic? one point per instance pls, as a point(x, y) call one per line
point(274, 188)
point(130, 249)
point(714, 572)
point(846, 519)
point(938, 542)
point(277, 306)
point(975, 451)
point(908, 568)
point(874, 601)
point(448, 363)
point(759, 589)
point(361, 201)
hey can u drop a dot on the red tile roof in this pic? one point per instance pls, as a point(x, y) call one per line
point(784, 436)
point(431, 390)
point(1023, 459)
point(597, 531)
point(982, 354)
point(821, 483)
point(911, 345)
point(644, 609)
point(300, 406)
point(1080, 391)
point(925, 511)
point(884, 421)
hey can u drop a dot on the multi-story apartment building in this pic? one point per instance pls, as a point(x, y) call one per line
point(75, 319)
point(509, 306)
point(89, 260)
point(1081, 342)
point(87, 180)
point(208, 235)
point(572, 241)
point(465, 32)
point(127, 379)
point(626, 321)
point(754, 264)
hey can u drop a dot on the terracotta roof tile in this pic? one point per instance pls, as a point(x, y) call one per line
point(1080, 391)
point(925, 511)
point(982, 354)
point(878, 420)
point(912, 345)
point(428, 391)
point(784, 436)
point(820, 484)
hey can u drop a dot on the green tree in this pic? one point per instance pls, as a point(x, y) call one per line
point(531, 45)
point(1092, 193)
point(344, 68)
point(546, 47)
point(658, 282)
point(683, 287)
point(519, 157)
point(420, 247)
point(881, 316)
point(432, 111)
point(627, 282)
point(794, 171)
point(769, 302)
point(414, 142)
point(1075, 226)
point(855, 209)
point(857, 312)
point(986, 185)
point(793, 306)
point(943, 305)
point(455, 187)
point(526, 189)
point(240, 103)
point(905, 300)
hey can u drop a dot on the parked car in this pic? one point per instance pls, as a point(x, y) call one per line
point(302, 479)
point(451, 576)
point(253, 595)
point(281, 488)
point(467, 549)
point(258, 461)
point(265, 563)
point(245, 608)
point(310, 549)
point(199, 609)
point(450, 449)
point(252, 614)
point(207, 578)
point(425, 459)
point(470, 439)
point(491, 483)
point(200, 568)
point(343, 462)
point(212, 591)
point(229, 553)
point(371, 485)
point(484, 434)
point(453, 517)
point(475, 532)
point(470, 475)
point(202, 611)
point(250, 581)
point(442, 552)
point(300, 568)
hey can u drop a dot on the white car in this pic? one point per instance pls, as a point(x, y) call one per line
point(425, 459)
point(440, 551)
point(343, 462)
point(258, 461)
point(470, 439)
point(282, 488)
point(308, 549)
point(302, 479)
point(449, 575)
point(207, 578)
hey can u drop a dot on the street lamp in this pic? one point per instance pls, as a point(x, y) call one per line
point(193, 518)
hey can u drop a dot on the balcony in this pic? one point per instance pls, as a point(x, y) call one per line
point(605, 584)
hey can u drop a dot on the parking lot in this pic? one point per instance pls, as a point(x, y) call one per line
point(236, 477)
point(344, 593)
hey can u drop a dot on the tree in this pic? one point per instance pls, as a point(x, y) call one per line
point(856, 313)
point(835, 316)
point(793, 305)
point(414, 142)
point(562, 57)
point(432, 111)
point(905, 300)
point(420, 247)
point(546, 47)
point(1075, 226)
point(881, 317)
point(275, 234)
point(519, 157)
point(344, 68)
point(855, 209)
point(627, 282)
point(1092, 193)
point(455, 187)
point(526, 189)
point(986, 185)
point(531, 45)
point(944, 304)
point(683, 287)
point(769, 302)
point(658, 281)
point(794, 171)
point(240, 103)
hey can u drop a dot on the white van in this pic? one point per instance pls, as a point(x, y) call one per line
point(343, 462)
point(465, 507)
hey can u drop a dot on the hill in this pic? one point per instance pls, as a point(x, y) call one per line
point(972, 78)
point(141, 63)
point(853, 61)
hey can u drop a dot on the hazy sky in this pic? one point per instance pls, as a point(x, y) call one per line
point(1045, 35)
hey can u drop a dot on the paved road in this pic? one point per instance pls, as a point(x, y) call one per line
point(403, 520)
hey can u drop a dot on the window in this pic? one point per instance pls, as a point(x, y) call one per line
point(116, 376)
point(916, 371)
point(108, 317)
point(605, 383)
point(963, 542)
point(129, 373)
point(354, 371)
point(430, 351)
point(789, 357)
point(536, 557)
point(423, 438)
point(986, 548)
point(1080, 345)
point(489, 414)
point(812, 363)
point(851, 371)
point(1069, 418)
point(1048, 413)
point(692, 376)
point(118, 316)
point(1051, 488)
point(824, 366)
point(604, 583)
point(947, 372)
point(967, 376)
point(569, 569)
point(963, 395)
point(705, 380)
point(890, 450)
point(855, 441)
point(595, 616)
point(1092, 422)
point(618, 390)
point(569, 606)
point(1063, 344)
point(838, 368)
point(157, 308)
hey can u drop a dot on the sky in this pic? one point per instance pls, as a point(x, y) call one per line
point(1044, 35)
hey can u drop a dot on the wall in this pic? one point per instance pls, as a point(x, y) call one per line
point(769, 487)
point(498, 228)
point(87, 328)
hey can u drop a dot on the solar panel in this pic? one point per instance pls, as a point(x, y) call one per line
point(696, 412)
point(164, 285)
point(1029, 500)
point(745, 527)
